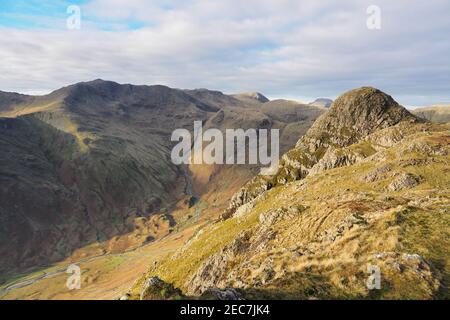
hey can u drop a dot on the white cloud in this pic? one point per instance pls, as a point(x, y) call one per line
point(282, 48)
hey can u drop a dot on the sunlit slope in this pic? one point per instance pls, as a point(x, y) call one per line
point(367, 187)
point(112, 186)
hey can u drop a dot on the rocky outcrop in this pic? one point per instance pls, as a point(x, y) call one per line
point(404, 181)
point(214, 272)
point(377, 174)
point(334, 158)
point(412, 263)
point(156, 289)
point(222, 294)
point(353, 117)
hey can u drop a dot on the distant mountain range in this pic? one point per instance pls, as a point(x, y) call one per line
point(321, 102)
point(436, 113)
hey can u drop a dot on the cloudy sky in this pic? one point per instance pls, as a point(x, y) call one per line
point(298, 49)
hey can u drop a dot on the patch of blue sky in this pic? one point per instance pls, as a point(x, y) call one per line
point(35, 14)
point(117, 25)
point(29, 14)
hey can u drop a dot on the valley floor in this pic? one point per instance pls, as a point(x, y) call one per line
point(102, 278)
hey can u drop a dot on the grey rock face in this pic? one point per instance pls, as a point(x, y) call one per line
point(377, 174)
point(404, 181)
point(156, 289)
point(356, 114)
point(150, 284)
point(224, 294)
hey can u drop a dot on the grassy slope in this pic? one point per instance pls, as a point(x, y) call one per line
point(410, 221)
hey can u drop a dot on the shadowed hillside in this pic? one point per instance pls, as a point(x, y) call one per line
point(438, 113)
point(88, 166)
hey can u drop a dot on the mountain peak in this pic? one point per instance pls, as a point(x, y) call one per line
point(98, 83)
point(364, 97)
point(352, 117)
point(321, 102)
point(357, 113)
point(252, 96)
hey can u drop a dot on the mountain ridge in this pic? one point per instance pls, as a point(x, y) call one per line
point(435, 113)
point(119, 140)
point(321, 102)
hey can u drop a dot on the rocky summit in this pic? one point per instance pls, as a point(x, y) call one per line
point(351, 118)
